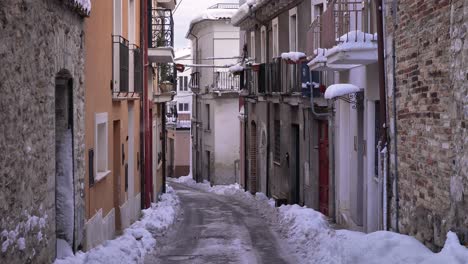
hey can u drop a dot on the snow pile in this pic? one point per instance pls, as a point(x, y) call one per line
point(293, 56)
point(319, 58)
point(236, 68)
point(314, 241)
point(137, 240)
point(340, 89)
point(354, 40)
point(65, 214)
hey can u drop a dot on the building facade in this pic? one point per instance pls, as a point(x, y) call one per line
point(427, 95)
point(215, 43)
point(42, 140)
point(113, 177)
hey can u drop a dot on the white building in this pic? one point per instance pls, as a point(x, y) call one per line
point(215, 125)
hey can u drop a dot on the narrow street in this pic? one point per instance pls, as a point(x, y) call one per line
point(216, 229)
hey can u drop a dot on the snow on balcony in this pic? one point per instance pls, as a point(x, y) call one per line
point(320, 63)
point(354, 47)
point(293, 56)
point(340, 89)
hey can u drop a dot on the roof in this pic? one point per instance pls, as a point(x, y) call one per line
point(214, 13)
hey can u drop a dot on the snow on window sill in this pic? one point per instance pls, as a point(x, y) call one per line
point(101, 175)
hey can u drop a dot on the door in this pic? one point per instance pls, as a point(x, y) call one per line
point(117, 173)
point(131, 152)
point(295, 165)
point(323, 168)
point(253, 158)
point(208, 166)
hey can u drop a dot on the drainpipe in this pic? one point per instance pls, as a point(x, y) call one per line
point(246, 167)
point(395, 133)
point(196, 110)
point(383, 99)
point(163, 155)
point(146, 116)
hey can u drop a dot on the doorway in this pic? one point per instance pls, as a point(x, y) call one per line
point(131, 152)
point(295, 165)
point(208, 166)
point(64, 164)
point(323, 168)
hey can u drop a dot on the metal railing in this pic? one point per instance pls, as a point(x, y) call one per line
point(246, 80)
point(120, 60)
point(162, 28)
point(225, 81)
point(225, 6)
point(274, 69)
point(194, 80)
point(339, 21)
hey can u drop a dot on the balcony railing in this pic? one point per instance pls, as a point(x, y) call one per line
point(337, 24)
point(120, 64)
point(162, 28)
point(195, 81)
point(225, 81)
point(225, 6)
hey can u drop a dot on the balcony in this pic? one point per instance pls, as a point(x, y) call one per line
point(164, 82)
point(225, 82)
point(195, 82)
point(121, 51)
point(161, 48)
point(342, 37)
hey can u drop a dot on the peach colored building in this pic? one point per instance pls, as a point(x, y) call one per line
point(114, 84)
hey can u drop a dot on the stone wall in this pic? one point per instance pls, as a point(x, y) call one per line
point(38, 39)
point(431, 118)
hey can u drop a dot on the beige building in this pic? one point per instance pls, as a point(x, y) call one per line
point(112, 138)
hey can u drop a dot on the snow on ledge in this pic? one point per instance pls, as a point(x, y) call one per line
point(340, 89)
point(319, 58)
point(83, 5)
point(294, 56)
point(354, 41)
point(236, 68)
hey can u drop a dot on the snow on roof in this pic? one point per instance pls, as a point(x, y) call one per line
point(85, 5)
point(340, 89)
point(184, 52)
point(213, 14)
point(354, 40)
point(294, 56)
point(243, 10)
point(236, 68)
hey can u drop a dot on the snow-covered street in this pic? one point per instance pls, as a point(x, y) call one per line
point(214, 228)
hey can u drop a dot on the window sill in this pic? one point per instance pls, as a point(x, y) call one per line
point(277, 163)
point(101, 175)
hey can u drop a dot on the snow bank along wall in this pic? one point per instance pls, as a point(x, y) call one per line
point(431, 112)
point(38, 39)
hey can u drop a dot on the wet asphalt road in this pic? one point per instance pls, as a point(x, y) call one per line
point(216, 229)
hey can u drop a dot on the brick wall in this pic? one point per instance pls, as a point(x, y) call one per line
point(430, 121)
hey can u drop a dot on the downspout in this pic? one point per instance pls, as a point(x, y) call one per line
point(147, 118)
point(383, 106)
point(246, 167)
point(142, 109)
point(164, 139)
point(198, 114)
point(395, 133)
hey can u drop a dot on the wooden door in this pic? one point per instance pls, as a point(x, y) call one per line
point(323, 168)
point(253, 159)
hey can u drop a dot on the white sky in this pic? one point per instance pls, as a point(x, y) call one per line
point(187, 10)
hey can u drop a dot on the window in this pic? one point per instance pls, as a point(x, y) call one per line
point(183, 83)
point(293, 29)
point(277, 130)
point(101, 146)
point(252, 45)
point(208, 125)
point(275, 38)
point(183, 107)
point(263, 50)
